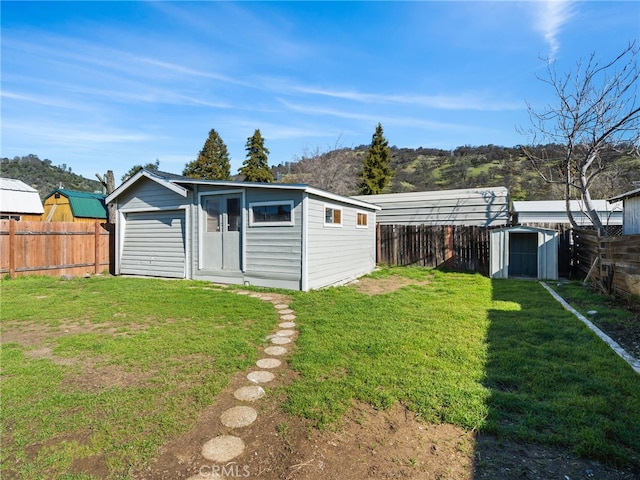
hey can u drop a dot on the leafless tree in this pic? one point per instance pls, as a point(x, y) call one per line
point(334, 170)
point(597, 111)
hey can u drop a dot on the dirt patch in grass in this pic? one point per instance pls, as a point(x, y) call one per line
point(379, 286)
point(368, 444)
point(626, 332)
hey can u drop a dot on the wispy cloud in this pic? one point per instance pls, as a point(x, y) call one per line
point(551, 16)
point(72, 134)
point(445, 102)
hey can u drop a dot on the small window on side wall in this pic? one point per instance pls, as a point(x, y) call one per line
point(332, 216)
point(271, 213)
point(362, 220)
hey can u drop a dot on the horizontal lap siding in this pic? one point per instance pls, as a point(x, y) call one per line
point(149, 195)
point(274, 252)
point(338, 254)
point(442, 208)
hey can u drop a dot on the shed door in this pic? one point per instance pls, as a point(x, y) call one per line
point(221, 232)
point(154, 244)
point(523, 255)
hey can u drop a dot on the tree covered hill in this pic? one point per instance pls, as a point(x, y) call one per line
point(428, 169)
point(45, 177)
point(419, 169)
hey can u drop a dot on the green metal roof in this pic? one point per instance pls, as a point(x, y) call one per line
point(84, 204)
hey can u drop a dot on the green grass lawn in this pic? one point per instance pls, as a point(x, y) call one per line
point(496, 356)
point(170, 346)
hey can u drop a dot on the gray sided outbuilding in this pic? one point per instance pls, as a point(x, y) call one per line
point(272, 235)
point(487, 207)
point(631, 211)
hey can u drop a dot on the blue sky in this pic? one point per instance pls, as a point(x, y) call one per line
point(108, 85)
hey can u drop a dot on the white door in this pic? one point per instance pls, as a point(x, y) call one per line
point(221, 232)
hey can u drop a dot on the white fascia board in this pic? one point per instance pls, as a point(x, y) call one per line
point(143, 173)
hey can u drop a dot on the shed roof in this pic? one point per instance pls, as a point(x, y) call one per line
point(559, 206)
point(179, 184)
point(632, 193)
point(554, 211)
point(18, 197)
point(84, 204)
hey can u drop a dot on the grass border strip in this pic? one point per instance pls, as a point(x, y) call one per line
point(632, 361)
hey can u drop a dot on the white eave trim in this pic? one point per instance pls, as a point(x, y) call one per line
point(143, 173)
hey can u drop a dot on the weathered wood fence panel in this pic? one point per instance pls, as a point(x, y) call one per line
point(55, 248)
point(613, 262)
point(457, 247)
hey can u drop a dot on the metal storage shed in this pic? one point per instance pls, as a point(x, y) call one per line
point(273, 235)
point(487, 207)
point(555, 211)
point(19, 201)
point(524, 252)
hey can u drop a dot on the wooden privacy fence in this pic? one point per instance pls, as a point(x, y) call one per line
point(613, 262)
point(55, 248)
point(464, 248)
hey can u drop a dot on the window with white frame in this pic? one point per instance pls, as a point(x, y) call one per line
point(271, 213)
point(362, 220)
point(332, 216)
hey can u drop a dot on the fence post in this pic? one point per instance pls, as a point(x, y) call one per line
point(12, 248)
point(96, 252)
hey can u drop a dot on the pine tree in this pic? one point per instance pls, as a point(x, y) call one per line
point(376, 171)
point(212, 162)
point(256, 168)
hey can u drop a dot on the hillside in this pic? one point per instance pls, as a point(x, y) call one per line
point(45, 177)
point(428, 169)
point(414, 170)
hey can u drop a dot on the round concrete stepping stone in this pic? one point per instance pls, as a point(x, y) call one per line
point(268, 363)
point(287, 324)
point(238, 417)
point(281, 306)
point(223, 448)
point(260, 376)
point(287, 317)
point(266, 299)
point(285, 311)
point(276, 351)
point(280, 340)
point(285, 333)
point(209, 475)
point(243, 292)
point(249, 394)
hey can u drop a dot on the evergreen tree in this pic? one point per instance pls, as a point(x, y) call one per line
point(376, 171)
point(212, 162)
point(136, 168)
point(256, 168)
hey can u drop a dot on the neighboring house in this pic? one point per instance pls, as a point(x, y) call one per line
point(73, 206)
point(631, 211)
point(274, 235)
point(554, 212)
point(485, 207)
point(19, 201)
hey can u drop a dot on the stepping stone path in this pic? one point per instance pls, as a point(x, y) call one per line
point(225, 448)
